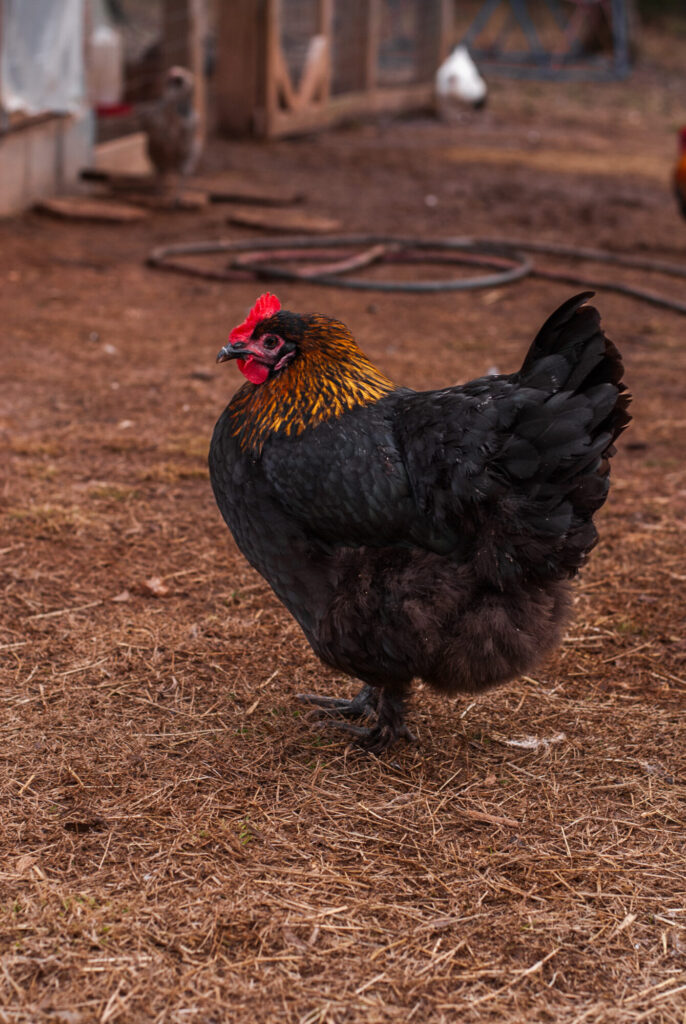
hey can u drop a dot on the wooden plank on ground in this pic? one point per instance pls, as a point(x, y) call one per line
point(189, 199)
point(235, 188)
point(145, 190)
point(283, 220)
point(121, 182)
point(84, 208)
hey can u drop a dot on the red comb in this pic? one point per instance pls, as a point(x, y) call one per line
point(265, 307)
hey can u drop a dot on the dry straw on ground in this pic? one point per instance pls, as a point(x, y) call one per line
point(178, 842)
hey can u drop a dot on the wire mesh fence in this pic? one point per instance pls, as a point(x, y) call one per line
point(549, 38)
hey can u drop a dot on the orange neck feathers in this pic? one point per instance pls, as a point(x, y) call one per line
point(329, 376)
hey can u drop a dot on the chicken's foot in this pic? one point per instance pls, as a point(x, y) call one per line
point(364, 703)
point(389, 727)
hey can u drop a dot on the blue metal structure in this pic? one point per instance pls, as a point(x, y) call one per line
point(569, 60)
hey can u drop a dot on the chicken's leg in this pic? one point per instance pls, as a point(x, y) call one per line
point(389, 727)
point(364, 703)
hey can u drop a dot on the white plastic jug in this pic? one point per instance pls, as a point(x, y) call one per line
point(107, 66)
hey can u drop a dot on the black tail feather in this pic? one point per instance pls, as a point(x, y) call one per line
point(574, 406)
point(594, 367)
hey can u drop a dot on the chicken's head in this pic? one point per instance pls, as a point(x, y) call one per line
point(265, 342)
point(178, 85)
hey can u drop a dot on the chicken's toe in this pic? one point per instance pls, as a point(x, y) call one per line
point(364, 703)
point(372, 739)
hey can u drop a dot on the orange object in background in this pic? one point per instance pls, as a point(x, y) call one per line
point(680, 173)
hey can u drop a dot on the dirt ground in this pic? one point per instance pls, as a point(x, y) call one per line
point(179, 843)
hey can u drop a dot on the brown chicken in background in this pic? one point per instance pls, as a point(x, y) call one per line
point(680, 174)
point(424, 535)
point(171, 126)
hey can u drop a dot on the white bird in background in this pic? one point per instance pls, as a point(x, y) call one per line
point(458, 81)
point(171, 125)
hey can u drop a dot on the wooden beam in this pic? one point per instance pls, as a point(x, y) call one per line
point(2, 108)
point(350, 106)
point(373, 37)
point(349, 40)
point(316, 74)
point(434, 33)
point(325, 17)
point(447, 38)
point(326, 30)
point(198, 31)
point(241, 65)
point(281, 81)
point(275, 70)
point(176, 33)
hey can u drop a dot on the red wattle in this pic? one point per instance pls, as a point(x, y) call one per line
point(256, 373)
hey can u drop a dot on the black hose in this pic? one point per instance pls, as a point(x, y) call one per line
point(492, 252)
point(162, 257)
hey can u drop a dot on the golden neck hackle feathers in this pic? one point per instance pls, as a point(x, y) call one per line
point(329, 376)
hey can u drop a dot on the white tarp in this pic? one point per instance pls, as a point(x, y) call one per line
point(42, 58)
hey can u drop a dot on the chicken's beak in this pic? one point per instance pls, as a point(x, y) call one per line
point(235, 351)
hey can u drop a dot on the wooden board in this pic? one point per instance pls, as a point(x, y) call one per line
point(283, 220)
point(235, 188)
point(127, 154)
point(84, 208)
point(121, 182)
point(145, 190)
point(349, 106)
point(185, 200)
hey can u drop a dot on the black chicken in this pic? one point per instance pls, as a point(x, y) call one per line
point(416, 534)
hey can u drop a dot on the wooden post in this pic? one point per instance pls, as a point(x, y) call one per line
point(274, 65)
point(198, 30)
point(176, 33)
point(241, 68)
point(325, 17)
point(326, 30)
point(447, 29)
point(435, 33)
point(373, 34)
point(349, 41)
point(2, 108)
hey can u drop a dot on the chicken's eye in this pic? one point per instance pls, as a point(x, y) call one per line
point(270, 341)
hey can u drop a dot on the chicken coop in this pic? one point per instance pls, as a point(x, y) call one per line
point(290, 66)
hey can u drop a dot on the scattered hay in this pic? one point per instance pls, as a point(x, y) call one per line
point(177, 840)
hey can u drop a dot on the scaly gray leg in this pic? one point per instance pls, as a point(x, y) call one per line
point(389, 727)
point(363, 704)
